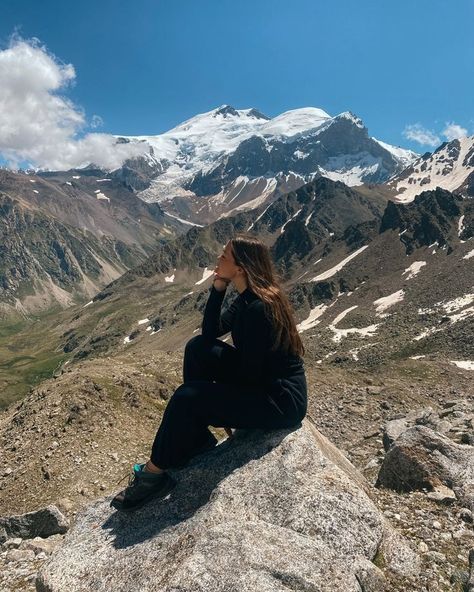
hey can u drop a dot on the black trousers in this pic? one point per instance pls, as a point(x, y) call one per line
point(200, 402)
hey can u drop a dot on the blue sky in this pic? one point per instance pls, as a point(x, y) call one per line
point(145, 66)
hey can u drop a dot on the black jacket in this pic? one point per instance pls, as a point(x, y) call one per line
point(253, 336)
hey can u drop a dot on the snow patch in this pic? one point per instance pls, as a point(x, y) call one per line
point(312, 320)
point(414, 269)
point(143, 321)
point(340, 333)
point(282, 230)
point(183, 221)
point(385, 302)
point(465, 364)
point(205, 274)
point(170, 278)
point(469, 255)
point(300, 154)
point(330, 272)
point(100, 195)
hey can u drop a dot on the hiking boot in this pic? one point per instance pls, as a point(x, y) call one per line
point(142, 488)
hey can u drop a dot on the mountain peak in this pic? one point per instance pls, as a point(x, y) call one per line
point(351, 117)
point(226, 110)
point(257, 114)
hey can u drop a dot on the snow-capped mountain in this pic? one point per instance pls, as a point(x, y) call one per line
point(240, 159)
point(449, 167)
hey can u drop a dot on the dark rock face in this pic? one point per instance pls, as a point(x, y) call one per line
point(44, 523)
point(430, 218)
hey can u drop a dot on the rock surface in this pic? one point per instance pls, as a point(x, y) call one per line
point(269, 512)
point(422, 458)
point(43, 523)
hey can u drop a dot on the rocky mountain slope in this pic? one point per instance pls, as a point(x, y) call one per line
point(94, 421)
point(228, 160)
point(450, 167)
point(368, 281)
point(66, 235)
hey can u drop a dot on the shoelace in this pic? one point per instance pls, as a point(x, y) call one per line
point(131, 478)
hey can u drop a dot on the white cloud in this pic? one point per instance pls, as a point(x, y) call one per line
point(418, 133)
point(41, 127)
point(452, 131)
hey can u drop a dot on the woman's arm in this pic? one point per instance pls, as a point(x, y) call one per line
point(215, 324)
point(257, 332)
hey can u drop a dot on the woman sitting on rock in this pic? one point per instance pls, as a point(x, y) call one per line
point(259, 383)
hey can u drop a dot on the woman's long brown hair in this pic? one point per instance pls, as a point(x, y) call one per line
point(255, 258)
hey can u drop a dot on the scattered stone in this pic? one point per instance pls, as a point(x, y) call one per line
point(44, 522)
point(442, 494)
point(39, 545)
point(12, 543)
point(470, 583)
point(466, 515)
point(20, 555)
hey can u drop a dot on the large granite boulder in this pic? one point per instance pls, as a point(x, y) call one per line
point(268, 511)
point(421, 458)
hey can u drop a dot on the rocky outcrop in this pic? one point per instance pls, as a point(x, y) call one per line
point(263, 511)
point(422, 458)
point(43, 523)
point(455, 420)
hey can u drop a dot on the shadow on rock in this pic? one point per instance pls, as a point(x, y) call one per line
point(195, 486)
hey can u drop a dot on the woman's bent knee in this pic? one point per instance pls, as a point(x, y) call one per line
point(196, 341)
point(184, 395)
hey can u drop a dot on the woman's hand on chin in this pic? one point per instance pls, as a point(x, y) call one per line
point(220, 283)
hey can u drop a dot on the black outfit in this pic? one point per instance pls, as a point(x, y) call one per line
point(246, 386)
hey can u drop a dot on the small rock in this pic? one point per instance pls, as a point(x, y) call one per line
point(436, 556)
point(371, 464)
point(437, 525)
point(466, 515)
point(12, 543)
point(44, 522)
point(459, 577)
point(422, 547)
point(40, 545)
point(20, 555)
point(442, 494)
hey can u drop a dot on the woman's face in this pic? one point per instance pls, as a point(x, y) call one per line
point(226, 266)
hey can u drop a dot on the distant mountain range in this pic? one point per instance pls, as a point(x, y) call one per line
point(229, 160)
